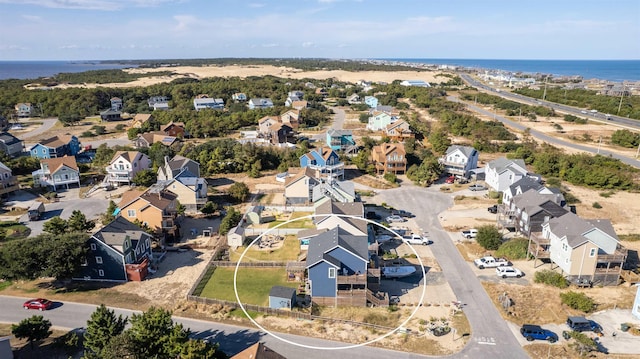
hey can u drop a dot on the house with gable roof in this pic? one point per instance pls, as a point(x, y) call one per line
point(506, 215)
point(59, 171)
point(202, 102)
point(324, 161)
point(239, 97)
point(266, 122)
point(291, 118)
point(119, 252)
point(158, 102)
point(379, 121)
point(305, 188)
point(399, 131)
point(141, 119)
point(299, 105)
point(341, 140)
point(532, 208)
point(145, 140)
point(155, 208)
point(371, 101)
point(8, 182)
point(124, 165)
point(324, 219)
point(23, 109)
point(257, 103)
point(503, 172)
point(56, 146)
point(584, 248)
point(460, 160)
point(175, 129)
point(353, 99)
point(191, 191)
point(10, 144)
point(389, 158)
point(337, 265)
point(173, 167)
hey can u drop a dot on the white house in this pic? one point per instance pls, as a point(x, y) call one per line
point(124, 165)
point(502, 173)
point(417, 83)
point(460, 160)
point(371, 101)
point(379, 121)
point(525, 184)
point(255, 103)
point(203, 101)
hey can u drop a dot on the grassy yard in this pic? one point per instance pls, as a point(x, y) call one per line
point(301, 223)
point(288, 252)
point(254, 284)
point(10, 230)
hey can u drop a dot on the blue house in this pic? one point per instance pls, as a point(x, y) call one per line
point(341, 140)
point(56, 146)
point(119, 252)
point(324, 161)
point(337, 268)
point(282, 297)
point(371, 101)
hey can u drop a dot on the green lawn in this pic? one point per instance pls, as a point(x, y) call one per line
point(288, 252)
point(10, 230)
point(254, 284)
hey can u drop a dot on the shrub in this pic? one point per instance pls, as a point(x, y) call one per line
point(390, 177)
point(119, 127)
point(596, 205)
point(489, 237)
point(513, 249)
point(582, 342)
point(607, 194)
point(550, 277)
point(579, 301)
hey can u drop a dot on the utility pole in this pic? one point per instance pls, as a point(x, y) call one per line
point(621, 97)
point(599, 143)
point(544, 94)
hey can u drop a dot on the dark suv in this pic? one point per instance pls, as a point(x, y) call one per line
point(532, 332)
point(582, 324)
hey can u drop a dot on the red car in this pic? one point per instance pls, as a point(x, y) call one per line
point(39, 304)
point(450, 179)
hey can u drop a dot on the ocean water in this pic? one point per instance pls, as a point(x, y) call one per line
point(611, 70)
point(34, 69)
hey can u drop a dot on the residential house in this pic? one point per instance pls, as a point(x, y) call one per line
point(291, 118)
point(158, 102)
point(119, 252)
point(339, 191)
point(341, 140)
point(56, 146)
point(202, 102)
point(353, 99)
point(379, 121)
point(324, 161)
point(417, 83)
point(239, 97)
point(10, 144)
point(399, 131)
point(371, 101)
point(59, 171)
point(265, 124)
point(6, 352)
point(175, 129)
point(8, 182)
point(337, 265)
point(280, 133)
point(282, 297)
point(116, 104)
point(258, 103)
point(292, 97)
point(531, 209)
point(297, 93)
point(502, 173)
point(585, 248)
point(389, 158)
point(525, 184)
point(145, 140)
point(322, 92)
point(155, 208)
point(258, 351)
point(172, 168)
point(330, 214)
point(140, 119)
point(24, 109)
point(191, 190)
point(124, 165)
point(110, 115)
point(299, 105)
point(460, 160)
point(309, 85)
point(305, 188)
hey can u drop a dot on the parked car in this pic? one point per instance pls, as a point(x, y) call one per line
point(536, 332)
point(38, 303)
point(470, 233)
point(582, 324)
point(477, 187)
point(395, 218)
point(493, 209)
point(450, 180)
point(508, 271)
point(402, 213)
point(372, 215)
point(491, 262)
point(417, 239)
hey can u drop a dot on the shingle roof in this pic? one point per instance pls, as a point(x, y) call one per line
point(127, 155)
point(335, 133)
point(117, 230)
point(501, 164)
point(574, 228)
point(466, 150)
point(55, 164)
point(305, 172)
point(325, 242)
point(282, 292)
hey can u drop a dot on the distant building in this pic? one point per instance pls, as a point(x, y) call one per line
point(460, 160)
point(417, 83)
point(202, 102)
point(10, 144)
point(257, 103)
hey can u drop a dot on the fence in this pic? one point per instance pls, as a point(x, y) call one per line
point(255, 264)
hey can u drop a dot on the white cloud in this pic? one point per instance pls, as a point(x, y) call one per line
point(270, 45)
point(101, 5)
point(67, 47)
point(256, 5)
point(32, 18)
point(308, 44)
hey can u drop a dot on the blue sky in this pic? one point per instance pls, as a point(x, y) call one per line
point(161, 29)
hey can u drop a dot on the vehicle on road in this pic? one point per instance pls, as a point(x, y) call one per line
point(38, 303)
point(417, 239)
point(470, 233)
point(582, 324)
point(402, 213)
point(450, 180)
point(35, 211)
point(477, 187)
point(493, 209)
point(508, 271)
point(395, 218)
point(536, 332)
point(491, 262)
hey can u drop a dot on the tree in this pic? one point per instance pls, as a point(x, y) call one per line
point(102, 327)
point(78, 222)
point(209, 208)
point(230, 220)
point(55, 225)
point(489, 237)
point(239, 191)
point(104, 154)
point(69, 119)
point(120, 346)
point(145, 178)
point(155, 334)
point(196, 349)
point(63, 255)
point(108, 216)
point(33, 329)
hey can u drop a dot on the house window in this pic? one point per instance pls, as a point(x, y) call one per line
point(99, 260)
point(101, 272)
point(131, 212)
point(332, 272)
point(593, 252)
point(93, 246)
point(84, 262)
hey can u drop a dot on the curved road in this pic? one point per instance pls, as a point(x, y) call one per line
point(491, 337)
point(546, 138)
point(47, 124)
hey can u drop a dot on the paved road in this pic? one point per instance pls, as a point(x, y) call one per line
point(612, 119)
point(546, 138)
point(47, 124)
point(232, 338)
point(338, 118)
point(491, 336)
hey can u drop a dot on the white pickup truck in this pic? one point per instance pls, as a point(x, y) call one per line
point(490, 262)
point(417, 239)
